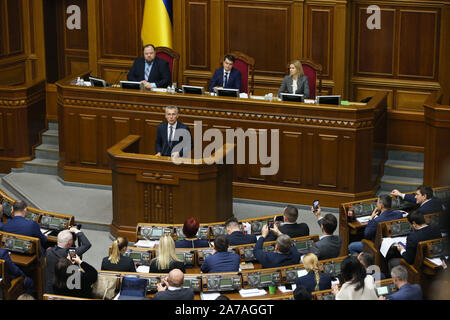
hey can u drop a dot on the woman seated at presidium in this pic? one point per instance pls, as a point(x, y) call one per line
point(190, 229)
point(166, 259)
point(296, 82)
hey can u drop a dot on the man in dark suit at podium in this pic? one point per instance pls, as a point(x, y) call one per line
point(171, 133)
point(226, 77)
point(152, 71)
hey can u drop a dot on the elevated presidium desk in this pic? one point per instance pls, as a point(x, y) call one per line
point(326, 152)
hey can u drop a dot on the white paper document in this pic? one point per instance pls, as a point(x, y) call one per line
point(209, 296)
point(243, 95)
point(257, 97)
point(386, 243)
point(310, 101)
point(143, 269)
point(159, 89)
point(146, 243)
point(436, 261)
point(247, 293)
point(364, 219)
point(284, 290)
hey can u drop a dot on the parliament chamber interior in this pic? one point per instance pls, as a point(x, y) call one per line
point(252, 150)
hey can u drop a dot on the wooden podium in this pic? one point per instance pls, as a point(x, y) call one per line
point(148, 188)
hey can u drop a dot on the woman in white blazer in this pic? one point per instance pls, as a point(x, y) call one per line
point(296, 82)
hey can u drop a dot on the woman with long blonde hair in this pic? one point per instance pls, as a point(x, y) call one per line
point(296, 82)
point(117, 261)
point(314, 280)
point(167, 259)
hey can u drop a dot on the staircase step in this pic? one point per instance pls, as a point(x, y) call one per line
point(53, 125)
point(410, 169)
point(47, 151)
point(405, 156)
point(404, 184)
point(50, 137)
point(43, 166)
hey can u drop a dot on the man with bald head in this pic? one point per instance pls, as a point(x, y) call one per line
point(171, 287)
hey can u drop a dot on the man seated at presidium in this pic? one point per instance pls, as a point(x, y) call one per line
point(296, 82)
point(170, 136)
point(423, 197)
point(150, 70)
point(226, 77)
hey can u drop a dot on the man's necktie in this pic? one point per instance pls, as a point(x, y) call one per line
point(225, 80)
point(147, 71)
point(170, 134)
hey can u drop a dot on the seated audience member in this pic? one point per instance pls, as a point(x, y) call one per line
point(226, 77)
point(290, 226)
point(358, 285)
point(166, 259)
point(314, 280)
point(13, 271)
point(381, 213)
point(406, 291)
point(284, 254)
point(222, 297)
point(64, 286)
point(150, 70)
point(25, 296)
point(329, 245)
point(116, 261)
point(171, 288)
point(368, 261)
point(221, 260)
point(65, 241)
point(19, 225)
point(423, 197)
point(296, 82)
point(235, 235)
point(421, 232)
point(190, 229)
point(302, 293)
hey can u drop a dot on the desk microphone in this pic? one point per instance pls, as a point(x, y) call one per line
point(118, 78)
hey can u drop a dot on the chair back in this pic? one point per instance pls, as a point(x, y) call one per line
point(313, 71)
point(172, 58)
point(246, 65)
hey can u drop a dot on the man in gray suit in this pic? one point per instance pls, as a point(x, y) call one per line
point(329, 245)
point(171, 287)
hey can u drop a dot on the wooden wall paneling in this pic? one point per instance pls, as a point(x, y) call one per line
point(89, 130)
point(15, 26)
point(411, 99)
point(327, 152)
point(149, 135)
point(291, 163)
point(403, 127)
point(120, 128)
point(3, 135)
point(296, 41)
point(340, 49)
point(3, 29)
point(13, 74)
point(104, 140)
point(363, 91)
point(346, 176)
point(418, 43)
point(72, 131)
point(444, 63)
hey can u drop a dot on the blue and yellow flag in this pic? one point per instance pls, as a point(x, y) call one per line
point(157, 23)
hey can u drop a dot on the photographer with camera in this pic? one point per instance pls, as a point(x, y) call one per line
point(66, 241)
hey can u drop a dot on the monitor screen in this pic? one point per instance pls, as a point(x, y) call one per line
point(336, 100)
point(135, 255)
point(180, 256)
point(19, 243)
point(382, 291)
point(225, 92)
point(95, 82)
point(405, 227)
point(192, 89)
point(130, 85)
point(292, 97)
point(266, 278)
point(225, 282)
point(301, 245)
point(157, 232)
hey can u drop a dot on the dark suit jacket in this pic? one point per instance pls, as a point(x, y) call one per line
point(53, 254)
point(12, 271)
point(238, 237)
point(88, 278)
point(162, 142)
point(275, 259)
point(309, 281)
point(408, 292)
point(182, 294)
point(192, 244)
point(302, 86)
point(125, 264)
point(221, 262)
point(173, 265)
point(160, 73)
point(326, 248)
point(293, 230)
point(371, 229)
point(22, 226)
point(413, 239)
point(431, 206)
point(234, 79)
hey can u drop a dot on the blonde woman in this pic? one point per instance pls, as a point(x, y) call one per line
point(296, 82)
point(116, 261)
point(314, 280)
point(166, 260)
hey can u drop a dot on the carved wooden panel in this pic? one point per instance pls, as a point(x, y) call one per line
point(291, 163)
point(327, 152)
point(104, 140)
point(13, 74)
point(373, 58)
point(15, 26)
point(197, 35)
point(309, 160)
point(158, 203)
point(320, 37)
point(120, 129)
point(149, 136)
point(418, 43)
point(259, 29)
point(345, 175)
point(88, 130)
